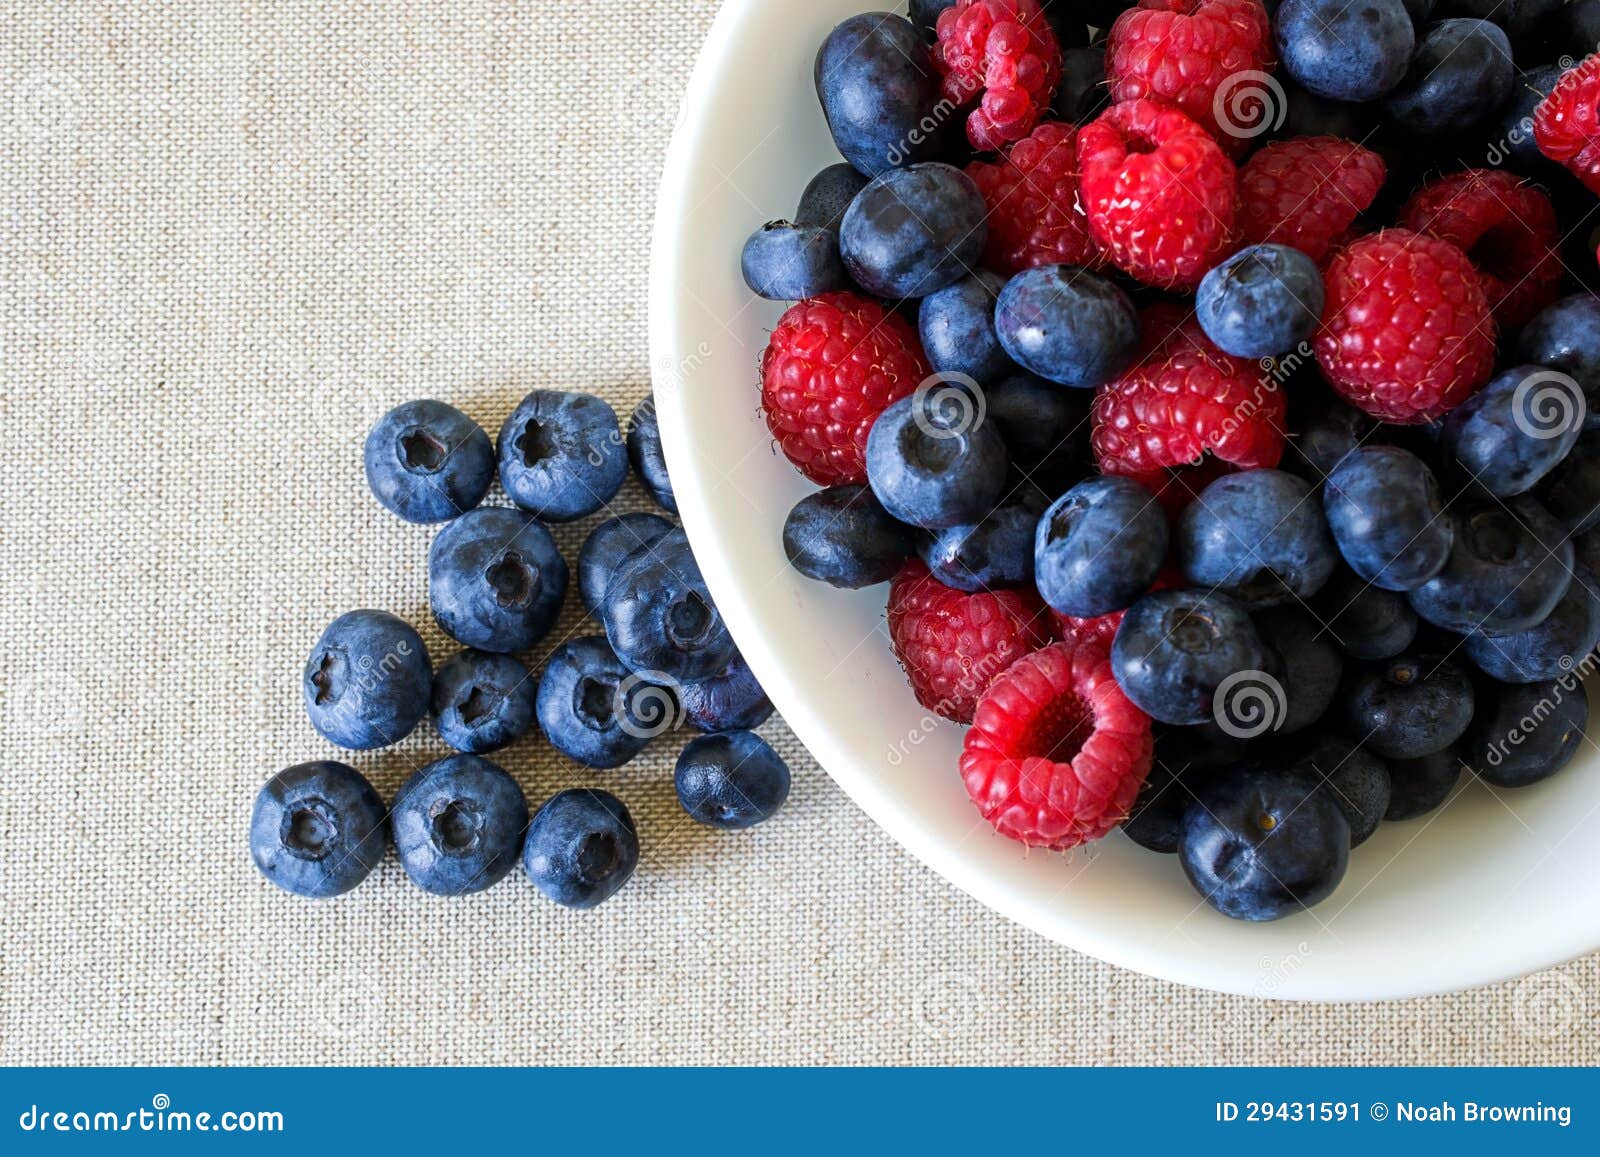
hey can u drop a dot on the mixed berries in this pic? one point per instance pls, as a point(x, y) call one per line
point(1238, 481)
point(661, 660)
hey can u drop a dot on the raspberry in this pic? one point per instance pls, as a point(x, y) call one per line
point(1507, 229)
point(1057, 753)
point(1032, 196)
point(833, 364)
point(1071, 629)
point(952, 644)
point(1186, 413)
point(1406, 333)
point(1158, 192)
point(1306, 191)
point(1005, 50)
point(1566, 124)
point(1191, 53)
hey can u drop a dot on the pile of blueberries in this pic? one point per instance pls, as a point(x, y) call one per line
point(496, 583)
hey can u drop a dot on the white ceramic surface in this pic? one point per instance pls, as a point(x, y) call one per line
point(1491, 886)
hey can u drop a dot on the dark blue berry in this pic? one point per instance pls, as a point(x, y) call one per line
point(1366, 621)
point(496, 580)
point(659, 615)
point(1259, 536)
point(1067, 325)
point(1326, 428)
point(933, 461)
point(1045, 428)
point(1417, 786)
point(1409, 706)
point(1099, 546)
point(1521, 20)
point(1345, 51)
point(1263, 843)
point(1573, 29)
point(367, 681)
point(733, 780)
point(878, 90)
point(1461, 74)
point(582, 846)
point(1550, 649)
point(607, 545)
point(913, 231)
point(1353, 778)
point(458, 824)
point(482, 701)
point(1510, 132)
point(1312, 665)
point(593, 709)
point(1175, 648)
point(1308, 115)
point(1082, 92)
point(731, 700)
point(1263, 300)
point(1509, 565)
point(1185, 758)
point(646, 456)
point(428, 462)
point(844, 537)
point(996, 551)
point(1386, 516)
point(561, 454)
point(828, 195)
point(1525, 733)
point(318, 829)
point(786, 262)
point(1514, 430)
point(957, 327)
point(1572, 491)
point(1566, 337)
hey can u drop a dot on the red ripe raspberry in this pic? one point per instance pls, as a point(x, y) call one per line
point(952, 644)
point(1306, 191)
point(1186, 413)
point(1507, 229)
point(1406, 333)
point(1056, 753)
point(1032, 196)
point(1158, 192)
point(1208, 57)
point(1566, 124)
point(1006, 50)
point(833, 364)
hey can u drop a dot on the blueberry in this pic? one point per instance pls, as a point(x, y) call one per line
point(957, 327)
point(933, 461)
point(1176, 648)
point(1067, 21)
point(561, 454)
point(1409, 706)
point(496, 580)
point(1263, 300)
point(1574, 29)
point(1326, 429)
point(1345, 51)
point(1366, 621)
point(1528, 732)
point(1521, 20)
point(428, 462)
point(1045, 428)
point(458, 823)
point(844, 537)
point(367, 680)
point(1356, 780)
point(996, 551)
point(1082, 92)
point(1305, 114)
point(1586, 550)
point(1509, 566)
point(1460, 75)
point(731, 700)
point(1099, 546)
point(1384, 510)
point(646, 456)
point(1185, 758)
point(1067, 325)
point(730, 781)
point(1511, 130)
point(878, 90)
point(1566, 337)
point(1549, 650)
point(1417, 786)
point(482, 701)
point(1259, 536)
point(318, 828)
point(913, 231)
point(1264, 843)
point(828, 195)
point(607, 545)
point(1312, 665)
point(1515, 430)
point(593, 709)
point(1572, 491)
point(659, 616)
point(582, 846)
point(786, 262)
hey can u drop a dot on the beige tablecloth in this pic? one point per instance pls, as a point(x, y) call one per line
point(232, 235)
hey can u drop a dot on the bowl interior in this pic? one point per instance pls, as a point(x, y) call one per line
point(1490, 886)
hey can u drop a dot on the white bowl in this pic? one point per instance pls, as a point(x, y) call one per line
point(1491, 886)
